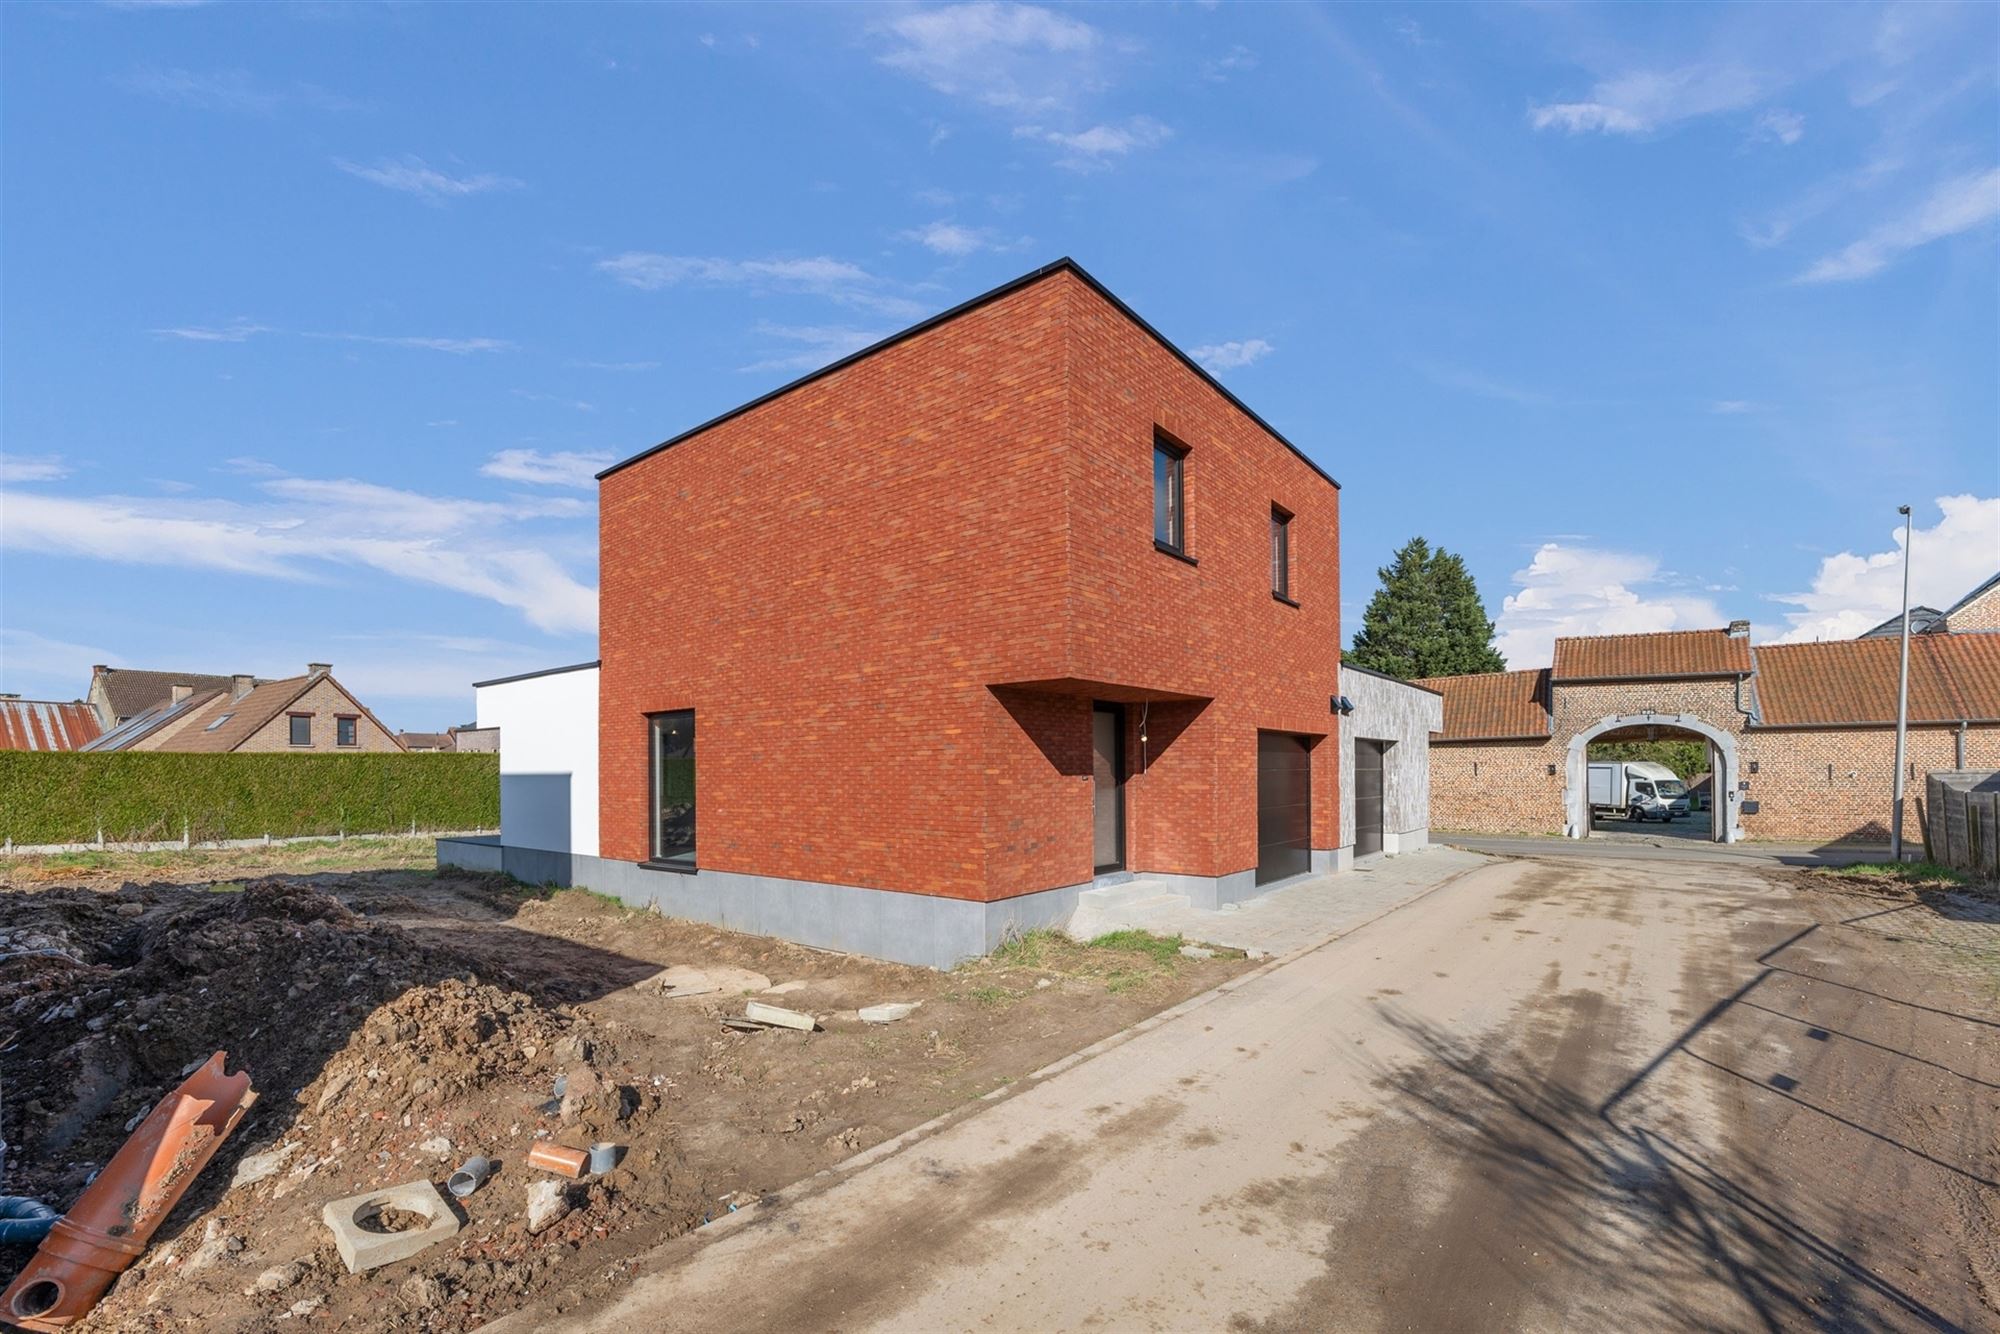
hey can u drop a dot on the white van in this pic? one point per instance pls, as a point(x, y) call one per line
point(1637, 789)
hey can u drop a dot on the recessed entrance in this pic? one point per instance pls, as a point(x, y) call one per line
point(1605, 797)
point(1107, 772)
point(1284, 806)
point(1367, 796)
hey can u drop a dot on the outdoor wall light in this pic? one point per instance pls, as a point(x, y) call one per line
point(1552, 771)
point(1753, 766)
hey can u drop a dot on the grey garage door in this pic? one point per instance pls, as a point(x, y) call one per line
point(1284, 806)
point(1367, 796)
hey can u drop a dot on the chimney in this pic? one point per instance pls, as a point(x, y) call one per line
point(180, 694)
point(241, 685)
point(319, 668)
point(1739, 629)
point(99, 670)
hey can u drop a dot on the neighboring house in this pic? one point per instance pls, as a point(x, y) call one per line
point(1801, 736)
point(120, 694)
point(469, 738)
point(40, 724)
point(1923, 620)
point(312, 713)
point(425, 741)
point(904, 655)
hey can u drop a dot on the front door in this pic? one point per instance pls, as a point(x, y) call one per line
point(1107, 771)
point(1284, 806)
point(1367, 797)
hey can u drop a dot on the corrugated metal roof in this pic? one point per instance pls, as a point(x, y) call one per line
point(39, 724)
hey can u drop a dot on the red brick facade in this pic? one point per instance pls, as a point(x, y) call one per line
point(891, 592)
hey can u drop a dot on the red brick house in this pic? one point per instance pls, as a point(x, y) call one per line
point(910, 651)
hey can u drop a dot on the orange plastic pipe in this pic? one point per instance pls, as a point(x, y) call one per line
point(110, 1223)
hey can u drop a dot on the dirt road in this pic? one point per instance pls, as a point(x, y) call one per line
point(1550, 1095)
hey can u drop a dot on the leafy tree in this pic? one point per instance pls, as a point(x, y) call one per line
point(1687, 757)
point(1426, 619)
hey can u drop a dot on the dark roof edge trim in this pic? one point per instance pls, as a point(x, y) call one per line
point(1063, 265)
point(1446, 739)
point(546, 671)
point(1347, 666)
point(1846, 726)
point(1656, 676)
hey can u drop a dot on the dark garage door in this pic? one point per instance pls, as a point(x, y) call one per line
point(1367, 797)
point(1284, 806)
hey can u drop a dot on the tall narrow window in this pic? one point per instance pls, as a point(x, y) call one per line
point(346, 731)
point(1281, 554)
point(302, 729)
point(673, 788)
point(1169, 496)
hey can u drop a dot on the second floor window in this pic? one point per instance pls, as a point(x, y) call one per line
point(302, 729)
point(1281, 554)
point(1169, 495)
point(344, 731)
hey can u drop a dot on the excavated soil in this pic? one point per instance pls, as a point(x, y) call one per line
point(396, 1022)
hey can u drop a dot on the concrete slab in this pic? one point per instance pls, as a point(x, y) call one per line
point(353, 1222)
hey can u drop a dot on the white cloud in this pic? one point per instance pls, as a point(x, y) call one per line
point(1644, 100)
point(1228, 356)
point(1238, 60)
point(1014, 57)
point(557, 468)
point(413, 176)
point(456, 346)
point(32, 468)
point(1954, 206)
point(308, 530)
point(822, 344)
point(533, 397)
point(1100, 145)
point(834, 279)
point(1786, 127)
point(237, 330)
point(1573, 590)
point(1486, 386)
point(957, 240)
point(1734, 407)
point(31, 659)
point(1852, 593)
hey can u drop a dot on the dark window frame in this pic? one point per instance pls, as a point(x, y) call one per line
point(1281, 555)
point(350, 725)
point(678, 856)
point(292, 721)
point(1175, 542)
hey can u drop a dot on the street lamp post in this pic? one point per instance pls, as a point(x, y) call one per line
point(1902, 700)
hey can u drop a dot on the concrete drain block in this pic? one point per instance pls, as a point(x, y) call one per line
point(357, 1224)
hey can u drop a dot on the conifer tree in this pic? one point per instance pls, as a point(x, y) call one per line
point(1426, 619)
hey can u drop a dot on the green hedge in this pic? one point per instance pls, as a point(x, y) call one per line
point(149, 796)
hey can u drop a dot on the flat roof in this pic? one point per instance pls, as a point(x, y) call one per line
point(546, 671)
point(1063, 265)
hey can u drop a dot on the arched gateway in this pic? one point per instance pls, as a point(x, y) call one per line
point(1576, 788)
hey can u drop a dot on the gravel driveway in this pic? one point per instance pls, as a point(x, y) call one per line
point(1551, 1094)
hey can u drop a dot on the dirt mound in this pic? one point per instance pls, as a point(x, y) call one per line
point(377, 1058)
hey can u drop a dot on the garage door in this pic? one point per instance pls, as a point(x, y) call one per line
point(1367, 797)
point(1284, 806)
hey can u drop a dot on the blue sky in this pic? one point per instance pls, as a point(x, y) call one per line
point(318, 318)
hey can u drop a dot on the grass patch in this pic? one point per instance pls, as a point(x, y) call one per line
point(190, 864)
point(987, 994)
point(1160, 949)
point(1902, 873)
point(1031, 949)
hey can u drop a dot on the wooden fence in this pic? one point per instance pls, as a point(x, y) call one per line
point(1962, 821)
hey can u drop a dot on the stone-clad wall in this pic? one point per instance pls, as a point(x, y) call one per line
point(1404, 715)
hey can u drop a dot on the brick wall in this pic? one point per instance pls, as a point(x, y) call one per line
point(324, 701)
point(1982, 613)
point(868, 588)
point(1810, 785)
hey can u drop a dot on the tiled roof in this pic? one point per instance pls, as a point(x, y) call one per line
point(1493, 706)
point(131, 693)
point(233, 721)
point(39, 724)
point(1671, 653)
point(1853, 681)
point(148, 721)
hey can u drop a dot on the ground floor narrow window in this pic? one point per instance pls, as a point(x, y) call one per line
point(673, 787)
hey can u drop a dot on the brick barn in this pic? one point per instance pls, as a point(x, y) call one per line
point(1801, 737)
point(910, 652)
